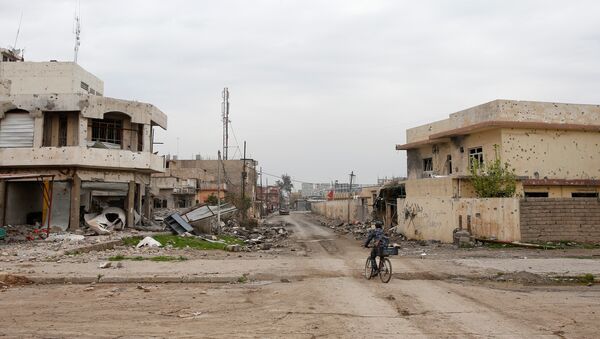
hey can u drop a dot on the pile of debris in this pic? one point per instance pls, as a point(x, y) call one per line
point(358, 230)
point(261, 236)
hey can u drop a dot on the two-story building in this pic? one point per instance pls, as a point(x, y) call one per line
point(552, 147)
point(59, 134)
point(187, 182)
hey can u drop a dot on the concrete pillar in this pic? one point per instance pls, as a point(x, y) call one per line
point(147, 207)
point(130, 204)
point(38, 131)
point(147, 141)
point(2, 201)
point(75, 203)
point(139, 193)
point(83, 131)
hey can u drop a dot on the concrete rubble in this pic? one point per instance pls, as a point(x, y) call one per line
point(262, 236)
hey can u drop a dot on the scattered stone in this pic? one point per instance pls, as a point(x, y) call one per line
point(145, 289)
point(285, 280)
point(119, 265)
point(105, 265)
point(233, 248)
point(87, 289)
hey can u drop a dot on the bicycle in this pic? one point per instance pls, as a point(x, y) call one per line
point(384, 266)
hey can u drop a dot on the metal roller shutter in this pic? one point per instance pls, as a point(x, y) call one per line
point(16, 130)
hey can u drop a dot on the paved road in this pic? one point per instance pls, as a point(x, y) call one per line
point(327, 298)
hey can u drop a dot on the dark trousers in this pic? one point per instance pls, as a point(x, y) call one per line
point(375, 251)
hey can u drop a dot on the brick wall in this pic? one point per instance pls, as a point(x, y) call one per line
point(576, 219)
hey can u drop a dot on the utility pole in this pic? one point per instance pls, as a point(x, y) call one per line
point(244, 175)
point(350, 194)
point(219, 188)
point(262, 190)
point(225, 116)
point(268, 208)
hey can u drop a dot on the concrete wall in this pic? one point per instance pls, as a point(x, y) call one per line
point(510, 110)
point(435, 218)
point(91, 106)
point(459, 160)
point(575, 219)
point(81, 157)
point(338, 209)
point(48, 77)
point(552, 154)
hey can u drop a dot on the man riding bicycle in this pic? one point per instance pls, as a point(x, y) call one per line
point(380, 241)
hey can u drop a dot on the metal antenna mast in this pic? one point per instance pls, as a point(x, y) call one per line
point(77, 31)
point(18, 31)
point(225, 115)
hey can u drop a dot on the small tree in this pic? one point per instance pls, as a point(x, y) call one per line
point(494, 180)
point(212, 200)
point(286, 183)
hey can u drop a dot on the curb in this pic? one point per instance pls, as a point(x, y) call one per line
point(130, 280)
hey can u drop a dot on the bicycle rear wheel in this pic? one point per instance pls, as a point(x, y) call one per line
point(368, 269)
point(385, 271)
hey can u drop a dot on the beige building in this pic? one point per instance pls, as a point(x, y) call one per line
point(59, 134)
point(188, 182)
point(553, 148)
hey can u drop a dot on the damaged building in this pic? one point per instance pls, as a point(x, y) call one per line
point(553, 149)
point(67, 150)
point(186, 183)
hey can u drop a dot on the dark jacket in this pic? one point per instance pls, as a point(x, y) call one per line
point(376, 235)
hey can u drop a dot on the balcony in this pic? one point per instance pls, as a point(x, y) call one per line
point(184, 190)
point(76, 156)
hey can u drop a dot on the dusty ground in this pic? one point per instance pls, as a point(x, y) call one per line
point(312, 289)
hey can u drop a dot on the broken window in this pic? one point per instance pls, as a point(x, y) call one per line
point(449, 163)
point(160, 203)
point(182, 203)
point(428, 164)
point(84, 86)
point(536, 194)
point(107, 130)
point(584, 195)
point(476, 157)
point(60, 129)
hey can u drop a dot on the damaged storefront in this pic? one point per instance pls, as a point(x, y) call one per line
point(73, 159)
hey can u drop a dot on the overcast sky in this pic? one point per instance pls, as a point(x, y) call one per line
point(318, 88)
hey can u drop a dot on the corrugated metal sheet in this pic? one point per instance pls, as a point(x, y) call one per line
point(16, 130)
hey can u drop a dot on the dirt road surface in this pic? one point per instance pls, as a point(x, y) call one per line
point(319, 293)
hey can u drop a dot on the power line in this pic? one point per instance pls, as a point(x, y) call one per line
point(280, 177)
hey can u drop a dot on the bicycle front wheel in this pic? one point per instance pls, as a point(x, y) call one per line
point(368, 269)
point(385, 272)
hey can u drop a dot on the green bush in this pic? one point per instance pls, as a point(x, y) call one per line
point(494, 180)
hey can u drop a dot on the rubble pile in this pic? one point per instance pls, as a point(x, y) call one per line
point(262, 236)
point(358, 230)
point(20, 233)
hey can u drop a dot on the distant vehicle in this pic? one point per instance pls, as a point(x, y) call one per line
point(284, 202)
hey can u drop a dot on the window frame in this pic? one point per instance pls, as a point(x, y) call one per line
point(428, 161)
point(108, 125)
point(476, 153)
